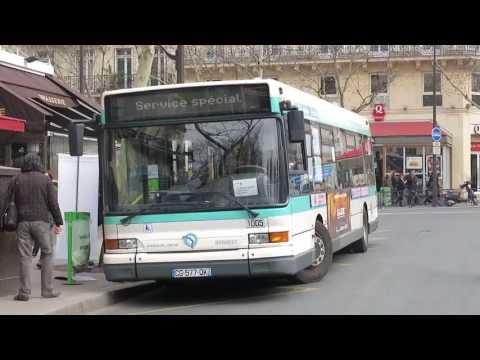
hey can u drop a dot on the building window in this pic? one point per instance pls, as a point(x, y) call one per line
point(328, 85)
point(428, 89)
point(276, 50)
point(379, 84)
point(324, 49)
point(378, 48)
point(159, 68)
point(123, 65)
point(210, 52)
point(88, 66)
point(476, 88)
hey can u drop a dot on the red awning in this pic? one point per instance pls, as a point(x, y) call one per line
point(403, 128)
point(12, 124)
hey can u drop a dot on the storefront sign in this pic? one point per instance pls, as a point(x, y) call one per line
point(476, 129)
point(475, 147)
point(378, 112)
point(52, 100)
point(414, 163)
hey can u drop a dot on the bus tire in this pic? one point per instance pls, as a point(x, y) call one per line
point(361, 245)
point(323, 257)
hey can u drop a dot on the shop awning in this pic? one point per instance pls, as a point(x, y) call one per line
point(38, 97)
point(8, 123)
point(403, 128)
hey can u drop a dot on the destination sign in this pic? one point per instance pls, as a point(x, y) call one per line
point(187, 102)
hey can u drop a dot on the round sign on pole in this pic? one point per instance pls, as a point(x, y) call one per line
point(436, 134)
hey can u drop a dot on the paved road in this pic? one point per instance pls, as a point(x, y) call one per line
point(420, 261)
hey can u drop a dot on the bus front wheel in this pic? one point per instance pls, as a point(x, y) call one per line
point(322, 258)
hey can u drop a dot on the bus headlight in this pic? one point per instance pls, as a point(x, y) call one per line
point(127, 243)
point(258, 238)
point(265, 238)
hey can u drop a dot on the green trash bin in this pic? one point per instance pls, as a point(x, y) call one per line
point(386, 195)
point(78, 242)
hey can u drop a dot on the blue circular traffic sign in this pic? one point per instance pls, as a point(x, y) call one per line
point(436, 134)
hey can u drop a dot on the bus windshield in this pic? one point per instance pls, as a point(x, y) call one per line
point(195, 166)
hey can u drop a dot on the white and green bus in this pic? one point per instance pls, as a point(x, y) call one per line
point(231, 178)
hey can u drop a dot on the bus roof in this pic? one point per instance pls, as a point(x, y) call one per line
point(314, 108)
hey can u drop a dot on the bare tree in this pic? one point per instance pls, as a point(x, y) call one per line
point(207, 61)
point(346, 65)
point(460, 82)
point(145, 54)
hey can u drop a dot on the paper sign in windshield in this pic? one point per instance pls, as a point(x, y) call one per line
point(245, 187)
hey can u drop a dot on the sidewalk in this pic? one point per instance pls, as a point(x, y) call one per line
point(94, 293)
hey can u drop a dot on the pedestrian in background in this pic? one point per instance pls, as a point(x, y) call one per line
point(399, 187)
point(53, 236)
point(411, 185)
point(35, 197)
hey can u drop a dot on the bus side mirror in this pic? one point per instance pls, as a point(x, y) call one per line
point(296, 126)
point(75, 139)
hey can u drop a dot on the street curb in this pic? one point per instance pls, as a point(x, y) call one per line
point(107, 298)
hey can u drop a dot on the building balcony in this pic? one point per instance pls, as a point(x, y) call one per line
point(279, 54)
point(95, 85)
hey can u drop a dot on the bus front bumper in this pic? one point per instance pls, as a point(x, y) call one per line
point(277, 266)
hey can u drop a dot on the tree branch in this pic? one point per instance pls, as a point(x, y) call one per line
point(456, 87)
point(170, 55)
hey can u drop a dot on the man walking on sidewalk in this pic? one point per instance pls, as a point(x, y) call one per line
point(35, 198)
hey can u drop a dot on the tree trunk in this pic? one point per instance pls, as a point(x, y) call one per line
point(144, 69)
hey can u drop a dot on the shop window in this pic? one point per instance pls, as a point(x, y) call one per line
point(394, 159)
point(476, 88)
point(428, 89)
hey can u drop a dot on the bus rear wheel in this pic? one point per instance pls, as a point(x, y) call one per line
point(322, 258)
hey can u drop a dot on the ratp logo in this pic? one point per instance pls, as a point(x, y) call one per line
point(148, 228)
point(190, 240)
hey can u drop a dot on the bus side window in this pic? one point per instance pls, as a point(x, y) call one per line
point(298, 179)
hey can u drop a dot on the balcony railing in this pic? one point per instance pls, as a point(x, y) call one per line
point(95, 85)
point(272, 54)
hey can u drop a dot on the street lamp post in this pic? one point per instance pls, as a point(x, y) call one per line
point(180, 64)
point(179, 59)
point(80, 73)
point(434, 118)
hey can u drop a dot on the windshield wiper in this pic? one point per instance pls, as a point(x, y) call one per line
point(251, 213)
point(126, 220)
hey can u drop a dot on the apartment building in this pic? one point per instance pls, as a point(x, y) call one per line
point(105, 67)
point(395, 78)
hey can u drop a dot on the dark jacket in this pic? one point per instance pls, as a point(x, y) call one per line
point(411, 182)
point(36, 198)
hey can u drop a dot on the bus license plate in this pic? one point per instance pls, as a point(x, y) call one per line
point(188, 273)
